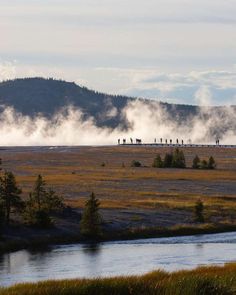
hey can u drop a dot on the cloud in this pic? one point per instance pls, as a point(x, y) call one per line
point(182, 87)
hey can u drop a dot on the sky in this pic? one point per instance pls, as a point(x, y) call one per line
point(179, 51)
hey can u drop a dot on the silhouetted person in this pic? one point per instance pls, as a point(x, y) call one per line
point(131, 140)
point(161, 140)
point(177, 141)
point(155, 140)
point(118, 141)
point(166, 141)
point(182, 142)
point(170, 141)
point(124, 141)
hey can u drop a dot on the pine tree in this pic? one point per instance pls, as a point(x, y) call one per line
point(168, 160)
point(39, 191)
point(196, 162)
point(9, 194)
point(178, 160)
point(157, 163)
point(91, 219)
point(211, 163)
point(199, 207)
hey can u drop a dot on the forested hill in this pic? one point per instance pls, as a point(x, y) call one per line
point(31, 96)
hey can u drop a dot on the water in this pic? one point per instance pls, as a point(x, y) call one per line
point(117, 258)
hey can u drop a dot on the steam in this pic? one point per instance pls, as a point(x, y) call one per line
point(146, 120)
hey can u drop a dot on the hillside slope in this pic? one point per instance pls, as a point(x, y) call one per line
point(31, 96)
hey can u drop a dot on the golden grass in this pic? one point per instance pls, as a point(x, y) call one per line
point(212, 280)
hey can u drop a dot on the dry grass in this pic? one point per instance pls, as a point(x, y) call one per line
point(205, 281)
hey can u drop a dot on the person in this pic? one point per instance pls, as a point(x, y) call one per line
point(131, 140)
point(155, 140)
point(170, 141)
point(118, 141)
point(161, 140)
point(177, 141)
point(182, 142)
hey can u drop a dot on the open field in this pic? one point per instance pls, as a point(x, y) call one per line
point(131, 198)
point(205, 281)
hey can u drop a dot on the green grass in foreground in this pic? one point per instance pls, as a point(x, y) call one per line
point(203, 281)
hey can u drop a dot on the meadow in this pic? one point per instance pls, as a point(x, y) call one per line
point(135, 201)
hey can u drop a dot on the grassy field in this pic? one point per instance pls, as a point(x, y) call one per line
point(133, 200)
point(202, 281)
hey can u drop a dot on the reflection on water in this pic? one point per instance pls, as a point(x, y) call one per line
point(91, 249)
point(116, 258)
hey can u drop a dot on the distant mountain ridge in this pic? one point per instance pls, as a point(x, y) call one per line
point(33, 96)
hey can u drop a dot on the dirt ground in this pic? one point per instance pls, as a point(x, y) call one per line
point(131, 197)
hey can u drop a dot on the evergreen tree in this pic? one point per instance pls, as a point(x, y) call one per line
point(199, 207)
point(196, 162)
point(157, 163)
point(167, 163)
point(178, 160)
point(9, 194)
point(91, 219)
point(41, 203)
point(39, 191)
point(211, 163)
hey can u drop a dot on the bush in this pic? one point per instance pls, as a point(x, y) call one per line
point(135, 163)
point(203, 164)
point(157, 162)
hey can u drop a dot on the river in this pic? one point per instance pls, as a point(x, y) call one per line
point(117, 258)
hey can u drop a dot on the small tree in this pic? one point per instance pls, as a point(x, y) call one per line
point(167, 163)
point(157, 163)
point(9, 194)
point(39, 191)
point(41, 203)
point(211, 163)
point(199, 207)
point(91, 220)
point(178, 160)
point(196, 162)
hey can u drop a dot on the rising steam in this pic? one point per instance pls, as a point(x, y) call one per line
point(146, 120)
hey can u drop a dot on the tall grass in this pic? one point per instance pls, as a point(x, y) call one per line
point(202, 281)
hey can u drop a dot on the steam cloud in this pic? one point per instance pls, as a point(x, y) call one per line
point(146, 121)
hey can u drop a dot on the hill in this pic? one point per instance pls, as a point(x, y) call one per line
point(31, 96)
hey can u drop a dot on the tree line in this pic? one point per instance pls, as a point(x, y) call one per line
point(176, 159)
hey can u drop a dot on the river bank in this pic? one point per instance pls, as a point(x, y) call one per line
point(205, 280)
point(46, 238)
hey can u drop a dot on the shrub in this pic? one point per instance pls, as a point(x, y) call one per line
point(135, 163)
point(157, 162)
point(203, 164)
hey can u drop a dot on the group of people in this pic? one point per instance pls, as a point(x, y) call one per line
point(137, 140)
point(162, 141)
